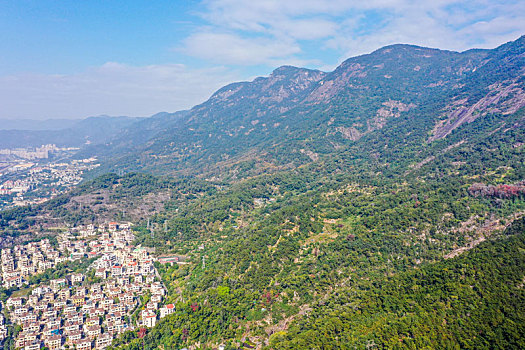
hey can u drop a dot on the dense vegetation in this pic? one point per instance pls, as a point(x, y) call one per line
point(475, 301)
point(281, 245)
point(352, 215)
point(344, 246)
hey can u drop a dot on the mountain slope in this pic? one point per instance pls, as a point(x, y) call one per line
point(297, 115)
point(334, 219)
point(471, 302)
point(132, 136)
point(379, 205)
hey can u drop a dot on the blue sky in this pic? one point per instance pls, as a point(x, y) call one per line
point(72, 59)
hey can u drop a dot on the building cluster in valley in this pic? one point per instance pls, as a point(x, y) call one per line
point(86, 309)
point(26, 183)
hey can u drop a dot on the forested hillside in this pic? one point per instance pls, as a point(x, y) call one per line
point(376, 206)
point(397, 102)
point(474, 301)
point(348, 207)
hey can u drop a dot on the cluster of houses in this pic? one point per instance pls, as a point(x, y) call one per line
point(14, 186)
point(88, 310)
point(22, 261)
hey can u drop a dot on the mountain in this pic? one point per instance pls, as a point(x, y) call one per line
point(380, 205)
point(297, 115)
point(349, 208)
point(67, 133)
point(132, 135)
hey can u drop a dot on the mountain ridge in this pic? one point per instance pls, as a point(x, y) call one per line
point(272, 116)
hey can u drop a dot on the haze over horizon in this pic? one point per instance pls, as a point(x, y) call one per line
point(137, 58)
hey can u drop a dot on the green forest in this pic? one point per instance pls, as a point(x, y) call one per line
point(387, 213)
point(474, 301)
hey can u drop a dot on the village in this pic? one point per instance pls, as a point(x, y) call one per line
point(120, 289)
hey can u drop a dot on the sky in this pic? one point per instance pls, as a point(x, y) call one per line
point(73, 59)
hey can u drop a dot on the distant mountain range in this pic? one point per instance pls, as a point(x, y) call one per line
point(33, 124)
point(89, 133)
point(62, 132)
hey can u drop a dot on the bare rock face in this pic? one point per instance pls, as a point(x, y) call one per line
point(329, 88)
point(284, 83)
point(312, 155)
point(281, 85)
point(264, 96)
point(223, 95)
point(391, 109)
point(350, 133)
point(505, 98)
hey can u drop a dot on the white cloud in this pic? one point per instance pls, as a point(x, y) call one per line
point(448, 25)
point(308, 29)
point(113, 88)
point(233, 49)
point(350, 27)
